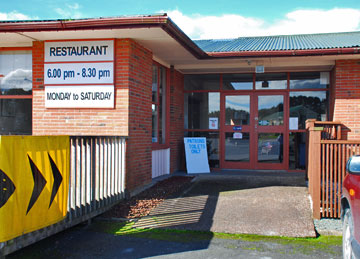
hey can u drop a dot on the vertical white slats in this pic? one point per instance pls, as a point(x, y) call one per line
point(167, 161)
point(97, 174)
point(123, 174)
point(105, 170)
point(78, 176)
point(88, 173)
point(83, 175)
point(116, 168)
point(160, 162)
point(108, 187)
point(113, 180)
point(72, 185)
point(101, 166)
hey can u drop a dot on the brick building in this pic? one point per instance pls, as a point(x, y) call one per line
point(164, 86)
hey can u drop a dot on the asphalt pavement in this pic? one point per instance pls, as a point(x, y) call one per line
point(269, 204)
point(87, 242)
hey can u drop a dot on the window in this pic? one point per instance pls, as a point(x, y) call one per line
point(201, 109)
point(238, 82)
point(309, 80)
point(271, 81)
point(202, 82)
point(15, 92)
point(308, 105)
point(158, 104)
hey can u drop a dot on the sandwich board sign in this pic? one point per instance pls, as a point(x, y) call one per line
point(196, 155)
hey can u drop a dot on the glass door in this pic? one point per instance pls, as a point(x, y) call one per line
point(254, 135)
point(270, 131)
point(237, 136)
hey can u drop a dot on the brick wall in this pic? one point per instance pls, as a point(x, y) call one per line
point(346, 96)
point(140, 114)
point(176, 120)
point(131, 116)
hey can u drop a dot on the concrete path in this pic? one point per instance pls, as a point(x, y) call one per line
point(273, 204)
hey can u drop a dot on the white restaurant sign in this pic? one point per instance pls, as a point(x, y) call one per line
point(79, 74)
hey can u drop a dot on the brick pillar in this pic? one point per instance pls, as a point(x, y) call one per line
point(138, 63)
point(346, 96)
point(176, 120)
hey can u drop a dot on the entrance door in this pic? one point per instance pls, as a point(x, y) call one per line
point(254, 132)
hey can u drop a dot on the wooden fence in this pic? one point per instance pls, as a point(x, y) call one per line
point(327, 155)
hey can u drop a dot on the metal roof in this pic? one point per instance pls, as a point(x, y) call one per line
point(283, 42)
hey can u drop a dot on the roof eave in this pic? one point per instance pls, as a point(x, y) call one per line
point(162, 21)
point(159, 21)
point(285, 53)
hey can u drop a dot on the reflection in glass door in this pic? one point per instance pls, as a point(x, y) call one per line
point(270, 147)
point(270, 130)
point(237, 130)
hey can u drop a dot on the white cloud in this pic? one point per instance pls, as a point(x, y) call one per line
point(297, 22)
point(14, 15)
point(70, 11)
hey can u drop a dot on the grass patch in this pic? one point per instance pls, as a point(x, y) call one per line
point(328, 244)
point(127, 228)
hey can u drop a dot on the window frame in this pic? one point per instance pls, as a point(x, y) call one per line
point(166, 110)
point(223, 91)
point(30, 96)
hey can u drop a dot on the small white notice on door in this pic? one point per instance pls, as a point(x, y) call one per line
point(213, 123)
point(237, 135)
point(293, 123)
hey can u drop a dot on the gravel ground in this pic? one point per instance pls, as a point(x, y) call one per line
point(141, 204)
point(328, 226)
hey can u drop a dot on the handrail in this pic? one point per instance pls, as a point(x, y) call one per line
point(342, 141)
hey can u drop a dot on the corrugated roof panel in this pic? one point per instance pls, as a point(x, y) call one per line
point(285, 42)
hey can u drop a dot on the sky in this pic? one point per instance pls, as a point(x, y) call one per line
point(206, 19)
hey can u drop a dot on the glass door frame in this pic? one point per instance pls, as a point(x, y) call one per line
point(284, 129)
point(230, 129)
point(254, 130)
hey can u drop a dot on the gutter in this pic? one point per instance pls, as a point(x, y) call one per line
point(82, 24)
point(285, 53)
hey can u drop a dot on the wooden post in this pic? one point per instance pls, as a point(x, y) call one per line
point(338, 137)
point(310, 123)
point(314, 167)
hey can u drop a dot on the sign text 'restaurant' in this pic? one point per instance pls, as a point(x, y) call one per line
point(78, 51)
point(69, 51)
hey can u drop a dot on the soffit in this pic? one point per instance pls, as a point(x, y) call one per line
point(163, 46)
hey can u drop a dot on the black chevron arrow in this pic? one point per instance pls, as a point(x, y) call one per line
point(57, 179)
point(39, 184)
point(7, 188)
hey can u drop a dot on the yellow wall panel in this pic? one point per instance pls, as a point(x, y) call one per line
point(34, 183)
